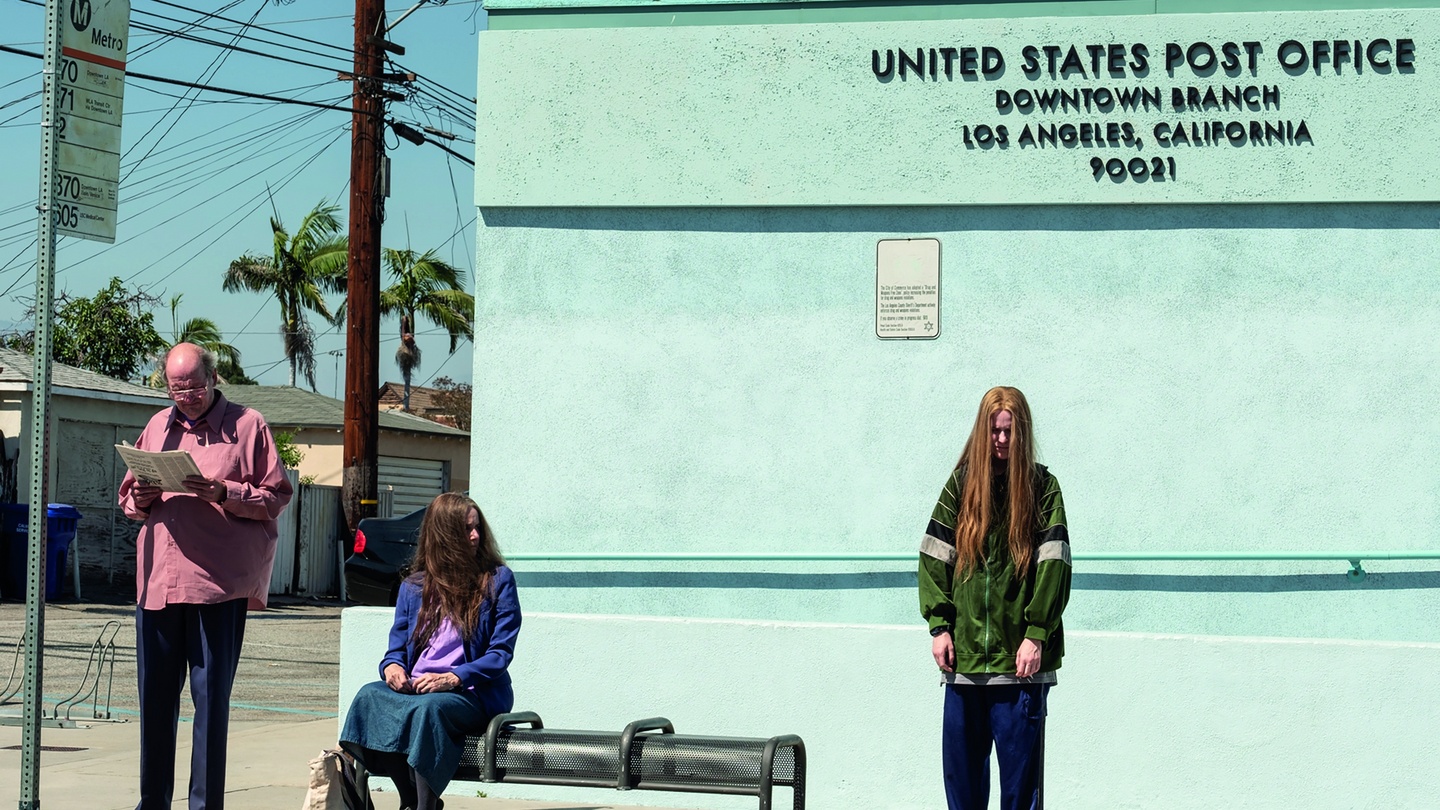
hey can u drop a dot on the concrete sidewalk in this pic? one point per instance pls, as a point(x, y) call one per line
point(267, 769)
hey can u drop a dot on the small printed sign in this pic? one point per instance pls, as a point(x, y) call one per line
point(907, 289)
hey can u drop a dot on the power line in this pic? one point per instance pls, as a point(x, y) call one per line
point(258, 198)
point(211, 153)
point(242, 93)
point(396, 10)
point(229, 47)
point(192, 182)
point(28, 110)
point(18, 278)
point(438, 85)
point(442, 365)
point(238, 221)
point(17, 81)
point(199, 86)
point(158, 41)
point(209, 72)
point(349, 52)
point(263, 304)
point(25, 97)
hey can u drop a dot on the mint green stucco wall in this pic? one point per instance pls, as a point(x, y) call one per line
point(1203, 378)
point(661, 373)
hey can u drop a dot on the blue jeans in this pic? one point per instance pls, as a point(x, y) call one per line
point(1012, 718)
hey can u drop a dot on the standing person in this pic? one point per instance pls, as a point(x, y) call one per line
point(202, 559)
point(994, 579)
point(446, 672)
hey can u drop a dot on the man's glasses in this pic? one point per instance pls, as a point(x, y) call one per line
point(188, 394)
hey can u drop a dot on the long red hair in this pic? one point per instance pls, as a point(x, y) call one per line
point(976, 512)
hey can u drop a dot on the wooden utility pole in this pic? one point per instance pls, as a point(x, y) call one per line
point(362, 331)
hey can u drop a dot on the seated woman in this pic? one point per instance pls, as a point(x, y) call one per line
point(444, 675)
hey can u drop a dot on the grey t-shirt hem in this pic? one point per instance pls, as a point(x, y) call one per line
point(994, 678)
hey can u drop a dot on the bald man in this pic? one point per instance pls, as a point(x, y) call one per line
point(202, 560)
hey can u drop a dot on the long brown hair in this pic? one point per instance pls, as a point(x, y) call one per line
point(976, 504)
point(454, 578)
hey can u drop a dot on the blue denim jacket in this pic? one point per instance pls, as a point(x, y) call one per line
point(487, 652)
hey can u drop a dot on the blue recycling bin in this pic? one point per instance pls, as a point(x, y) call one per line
point(62, 522)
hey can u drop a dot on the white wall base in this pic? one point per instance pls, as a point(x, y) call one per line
point(1137, 721)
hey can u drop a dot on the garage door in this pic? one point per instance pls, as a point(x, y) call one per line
point(416, 481)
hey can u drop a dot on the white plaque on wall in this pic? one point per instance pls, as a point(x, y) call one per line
point(907, 288)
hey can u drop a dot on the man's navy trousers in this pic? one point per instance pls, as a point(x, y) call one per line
point(204, 642)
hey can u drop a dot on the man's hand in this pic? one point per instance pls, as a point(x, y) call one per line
point(144, 494)
point(397, 679)
point(206, 489)
point(943, 648)
point(1027, 661)
point(437, 682)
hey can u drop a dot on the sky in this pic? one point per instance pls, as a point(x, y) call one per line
point(200, 171)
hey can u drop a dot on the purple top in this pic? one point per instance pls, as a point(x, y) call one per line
point(444, 652)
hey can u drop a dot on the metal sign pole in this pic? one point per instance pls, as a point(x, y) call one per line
point(39, 419)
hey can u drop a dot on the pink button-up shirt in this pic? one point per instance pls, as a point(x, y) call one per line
point(192, 551)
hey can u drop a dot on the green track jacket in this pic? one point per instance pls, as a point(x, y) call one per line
point(991, 610)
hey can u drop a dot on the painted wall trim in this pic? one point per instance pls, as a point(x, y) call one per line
point(513, 15)
point(909, 556)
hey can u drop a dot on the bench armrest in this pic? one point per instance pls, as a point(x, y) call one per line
point(492, 735)
point(627, 738)
point(767, 768)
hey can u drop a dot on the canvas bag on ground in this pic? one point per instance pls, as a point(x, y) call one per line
point(332, 784)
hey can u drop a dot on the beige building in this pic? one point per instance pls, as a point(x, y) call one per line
point(418, 458)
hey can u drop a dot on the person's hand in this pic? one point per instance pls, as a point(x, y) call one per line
point(397, 679)
point(437, 682)
point(1027, 661)
point(144, 494)
point(943, 648)
point(206, 489)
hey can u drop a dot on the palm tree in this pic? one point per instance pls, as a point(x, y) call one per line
point(425, 285)
point(203, 333)
point(304, 266)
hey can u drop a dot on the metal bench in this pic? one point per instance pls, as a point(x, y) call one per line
point(647, 755)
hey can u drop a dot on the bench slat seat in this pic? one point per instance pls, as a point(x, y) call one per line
point(647, 755)
point(581, 758)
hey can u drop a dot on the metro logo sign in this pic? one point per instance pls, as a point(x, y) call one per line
point(80, 14)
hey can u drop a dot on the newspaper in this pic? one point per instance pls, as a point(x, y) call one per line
point(166, 469)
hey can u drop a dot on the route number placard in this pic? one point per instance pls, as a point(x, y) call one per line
point(93, 47)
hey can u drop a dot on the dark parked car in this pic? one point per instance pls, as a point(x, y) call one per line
point(383, 548)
